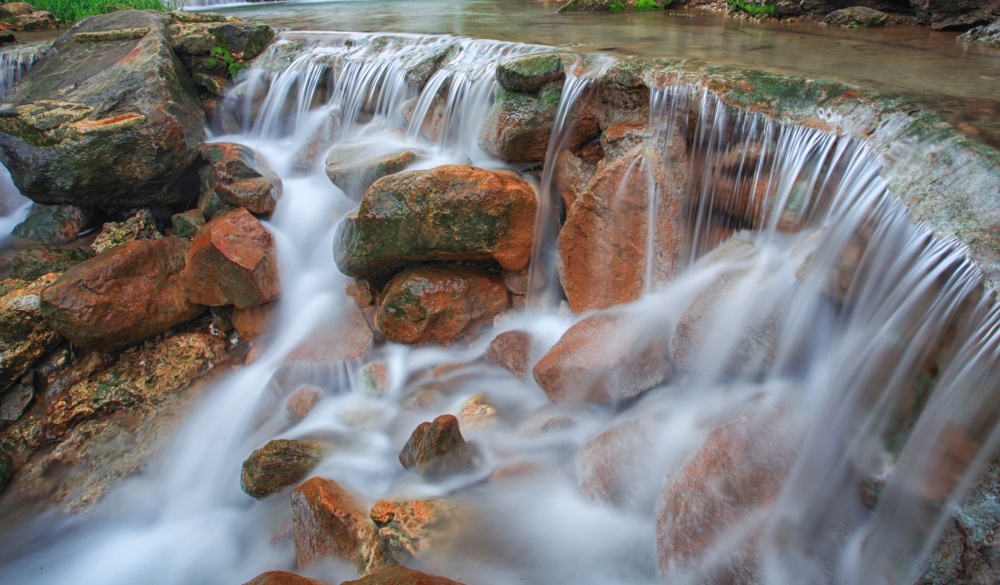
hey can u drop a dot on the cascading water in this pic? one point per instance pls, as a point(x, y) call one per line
point(818, 316)
point(15, 61)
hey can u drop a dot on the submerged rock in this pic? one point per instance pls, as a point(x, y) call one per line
point(414, 528)
point(604, 358)
point(451, 212)
point(278, 464)
point(141, 226)
point(439, 304)
point(856, 17)
point(55, 224)
point(236, 176)
point(282, 578)
point(126, 124)
point(37, 261)
point(24, 335)
point(401, 576)
point(511, 350)
point(353, 168)
point(232, 261)
point(122, 296)
point(437, 448)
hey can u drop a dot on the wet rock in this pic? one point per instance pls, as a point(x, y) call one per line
point(729, 482)
point(619, 466)
point(432, 122)
point(988, 35)
point(24, 335)
point(437, 448)
point(511, 350)
point(250, 322)
point(518, 125)
point(24, 16)
point(528, 73)
point(37, 261)
point(945, 15)
point(572, 175)
point(328, 521)
point(401, 576)
point(478, 413)
point(122, 296)
point(603, 245)
point(301, 402)
point(236, 176)
point(414, 528)
point(187, 224)
point(119, 136)
point(6, 470)
point(55, 224)
point(439, 304)
point(374, 378)
point(362, 291)
point(604, 358)
point(14, 402)
point(141, 226)
point(279, 464)
point(232, 261)
point(281, 578)
point(856, 17)
point(452, 212)
point(353, 167)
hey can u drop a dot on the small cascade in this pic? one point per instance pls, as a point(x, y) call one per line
point(814, 332)
point(17, 60)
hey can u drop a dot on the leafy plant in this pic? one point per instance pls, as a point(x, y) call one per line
point(648, 5)
point(758, 10)
point(233, 66)
point(617, 7)
point(70, 11)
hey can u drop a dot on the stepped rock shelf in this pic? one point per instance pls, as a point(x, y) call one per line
point(675, 315)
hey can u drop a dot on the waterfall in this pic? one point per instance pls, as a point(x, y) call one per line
point(803, 296)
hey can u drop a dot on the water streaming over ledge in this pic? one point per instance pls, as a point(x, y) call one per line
point(829, 306)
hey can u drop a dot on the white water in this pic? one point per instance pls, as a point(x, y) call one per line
point(836, 378)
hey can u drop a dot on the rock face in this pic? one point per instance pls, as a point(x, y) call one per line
point(121, 297)
point(437, 448)
point(37, 261)
point(946, 14)
point(126, 123)
point(436, 303)
point(988, 35)
point(278, 464)
point(353, 168)
point(282, 578)
point(55, 224)
point(24, 335)
point(452, 212)
point(604, 358)
point(232, 261)
point(236, 176)
point(328, 521)
point(401, 576)
point(856, 17)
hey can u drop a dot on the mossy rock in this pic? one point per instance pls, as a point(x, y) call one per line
point(37, 261)
point(529, 73)
point(856, 17)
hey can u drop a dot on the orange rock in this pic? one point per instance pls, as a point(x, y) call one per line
point(236, 176)
point(603, 358)
point(614, 467)
point(478, 413)
point(232, 261)
point(122, 296)
point(511, 350)
point(362, 291)
point(301, 402)
point(401, 576)
point(413, 528)
point(436, 303)
point(282, 578)
point(250, 322)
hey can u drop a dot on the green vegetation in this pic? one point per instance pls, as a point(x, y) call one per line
point(648, 5)
point(224, 55)
point(617, 6)
point(758, 10)
point(70, 11)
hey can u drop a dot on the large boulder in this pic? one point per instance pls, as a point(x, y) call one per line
point(232, 261)
point(401, 576)
point(951, 14)
point(122, 296)
point(278, 464)
point(605, 358)
point(55, 224)
point(24, 335)
point(439, 303)
point(107, 118)
point(856, 17)
point(451, 212)
point(236, 176)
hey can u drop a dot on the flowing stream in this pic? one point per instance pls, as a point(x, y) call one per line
point(824, 352)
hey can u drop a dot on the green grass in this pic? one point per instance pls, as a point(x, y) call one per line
point(617, 7)
point(647, 5)
point(751, 8)
point(70, 11)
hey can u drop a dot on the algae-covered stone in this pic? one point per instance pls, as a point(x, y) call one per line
point(278, 464)
point(24, 335)
point(354, 168)
point(187, 224)
point(529, 73)
point(37, 261)
point(55, 224)
point(518, 125)
point(856, 17)
point(452, 212)
point(141, 226)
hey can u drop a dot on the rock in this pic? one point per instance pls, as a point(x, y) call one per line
point(437, 448)
point(401, 576)
point(439, 304)
point(13, 9)
point(55, 224)
point(511, 350)
point(241, 40)
point(478, 413)
point(24, 335)
point(414, 528)
point(281, 578)
point(451, 212)
point(528, 73)
point(328, 521)
point(619, 466)
point(988, 35)
point(6, 470)
point(946, 15)
point(232, 261)
point(140, 226)
point(730, 481)
point(236, 176)
point(126, 124)
point(14, 402)
point(432, 122)
point(7, 38)
point(278, 464)
point(353, 167)
point(603, 247)
point(122, 296)
point(38, 20)
point(250, 322)
point(856, 17)
point(374, 378)
point(605, 358)
point(572, 175)
point(37, 261)
point(301, 402)
point(187, 224)
point(362, 291)
point(518, 125)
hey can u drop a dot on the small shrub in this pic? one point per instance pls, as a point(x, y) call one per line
point(221, 55)
point(617, 7)
point(757, 10)
point(648, 5)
